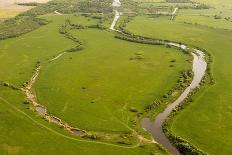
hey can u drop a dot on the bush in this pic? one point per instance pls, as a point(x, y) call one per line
point(26, 102)
point(174, 60)
point(6, 84)
point(133, 109)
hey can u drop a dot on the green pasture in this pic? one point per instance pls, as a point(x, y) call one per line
point(24, 132)
point(94, 89)
point(206, 21)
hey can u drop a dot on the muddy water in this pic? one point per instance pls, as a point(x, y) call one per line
point(41, 110)
point(77, 132)
point(155, 128)
point(116, 4)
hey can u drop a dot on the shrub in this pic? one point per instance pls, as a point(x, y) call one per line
point(133, 109)
point(6, 84)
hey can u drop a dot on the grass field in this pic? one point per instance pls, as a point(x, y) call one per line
point(105, 87)
point(40, 137)
point(113, 83)
point(112, 86)
point(206, 122)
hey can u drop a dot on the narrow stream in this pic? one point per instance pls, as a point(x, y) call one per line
point(199, 70)
point(155, 128)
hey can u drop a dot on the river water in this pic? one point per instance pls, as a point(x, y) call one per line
point(199, 69)
point(155, 128)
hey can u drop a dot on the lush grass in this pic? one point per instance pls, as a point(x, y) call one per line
point(23, 132)
point(206, 123)
point(112, 82)
point(206, 21)
point(23, 52)
point(103, 67)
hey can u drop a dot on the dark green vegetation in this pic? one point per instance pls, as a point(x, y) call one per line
point(106, 82)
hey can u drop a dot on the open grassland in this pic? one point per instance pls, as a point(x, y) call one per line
point(18, 58)
point(93, 89)
point(221, 7)
point(105, 87)
point(206, 122)
point(23, 52)
point(206, 21)
point(23, 132)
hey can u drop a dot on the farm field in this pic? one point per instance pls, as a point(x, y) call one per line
point(130, 77)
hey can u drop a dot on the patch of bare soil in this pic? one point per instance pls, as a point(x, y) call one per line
point(12, 4)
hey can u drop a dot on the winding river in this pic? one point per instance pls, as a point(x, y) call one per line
point(199, 69)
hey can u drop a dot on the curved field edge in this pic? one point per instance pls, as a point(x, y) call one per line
point(197, 131)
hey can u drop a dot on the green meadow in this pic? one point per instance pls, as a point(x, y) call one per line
point(92, 89)
point(105, 87)
point(101, 83)
point(23, 132)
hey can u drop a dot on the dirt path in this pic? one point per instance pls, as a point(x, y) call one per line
point(174, 13)
point(56, 12)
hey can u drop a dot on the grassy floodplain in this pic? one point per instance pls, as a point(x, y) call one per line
point(89, 85)
point(105, 87)
point(40, 137)
point(18, 120)
point(206, 122)
point(100, 107)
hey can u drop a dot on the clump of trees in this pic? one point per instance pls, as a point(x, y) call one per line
point(217, 17)
point(152, 106)
point(14, 27)
point(29, 4)
point(64, 29)
point(178, 1)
